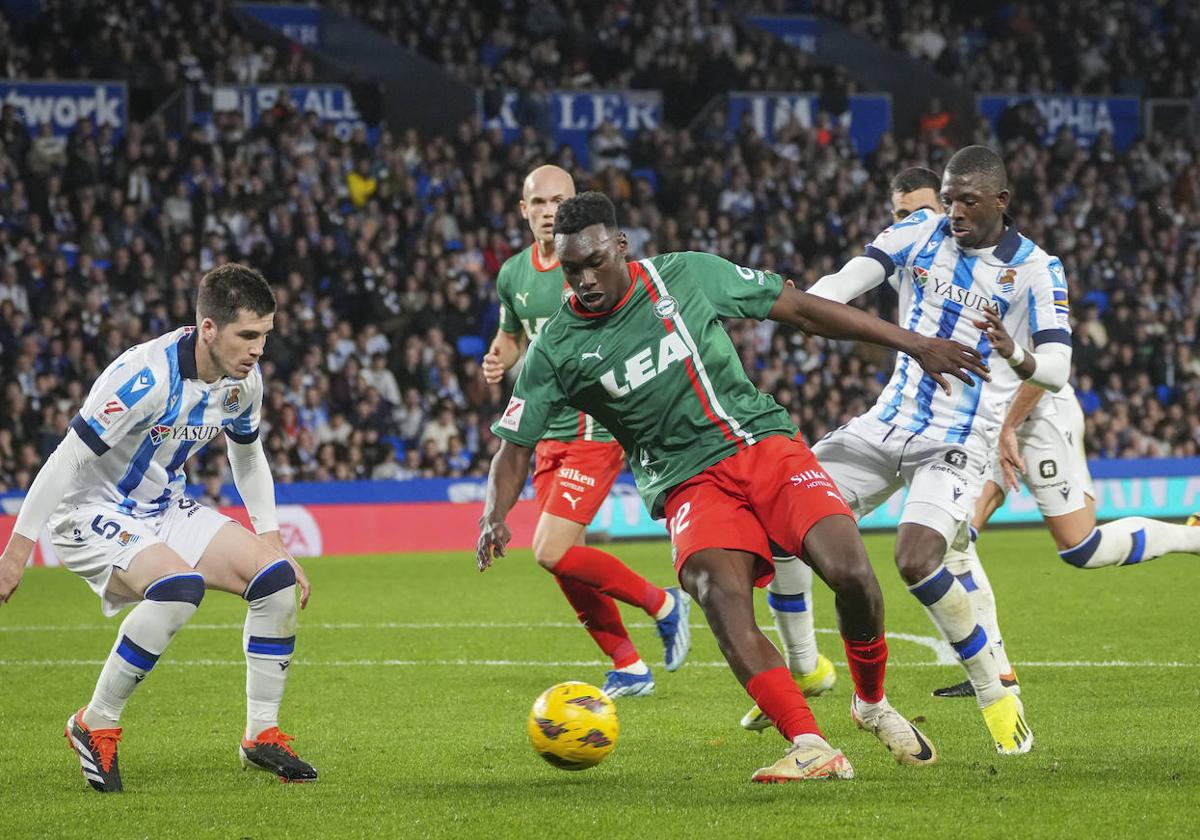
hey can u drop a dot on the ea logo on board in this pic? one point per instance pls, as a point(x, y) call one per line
point(666, 308)
point(300, 532)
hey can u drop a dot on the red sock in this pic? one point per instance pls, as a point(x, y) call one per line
point(600, 570)
point(780, 699)
point(868, 662)
point(599, 615)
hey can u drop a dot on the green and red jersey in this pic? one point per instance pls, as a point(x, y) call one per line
point(659, 370)
point(530, 294)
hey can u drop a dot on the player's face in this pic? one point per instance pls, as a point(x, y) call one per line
point(544, 190)
point(593, 261)
point(904, 204)
point(976, 209)
point(235, 349)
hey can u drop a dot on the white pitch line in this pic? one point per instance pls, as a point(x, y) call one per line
point(516, 663)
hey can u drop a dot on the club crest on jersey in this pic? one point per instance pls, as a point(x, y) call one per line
point(646, 364)
point(160, 434)
point(232, 403)
point(125, 538)
point(666, 307)
point(1006, 279)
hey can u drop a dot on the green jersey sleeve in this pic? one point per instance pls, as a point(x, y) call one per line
point(536, 398)
point(733, 291)
point(508, 316)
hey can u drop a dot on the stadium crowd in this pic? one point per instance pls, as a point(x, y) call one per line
point(384, 255)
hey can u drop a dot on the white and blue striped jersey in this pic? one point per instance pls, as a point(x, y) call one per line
point(147, 414)
point(943, 289)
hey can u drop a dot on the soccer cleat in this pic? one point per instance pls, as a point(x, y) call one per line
point(621, 684)
point(675, 632)
point(96, 750)
point(906, 743)
point(965, 689)
point(813, 684)
point(270, 752)
point(813, 758)
point(1006, 721)
point(1194, 520)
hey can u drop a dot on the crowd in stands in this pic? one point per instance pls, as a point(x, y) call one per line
point(384, 254)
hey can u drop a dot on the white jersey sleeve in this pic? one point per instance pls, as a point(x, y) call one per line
point(126, 395)
point(893, 247)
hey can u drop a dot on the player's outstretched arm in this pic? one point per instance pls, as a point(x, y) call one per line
point(818, 316)
point(53, 481)
point(503, 354)
point(510, 467)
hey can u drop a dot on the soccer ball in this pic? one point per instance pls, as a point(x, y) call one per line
point(573, 725)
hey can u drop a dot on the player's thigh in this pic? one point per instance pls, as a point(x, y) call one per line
point(1055, 472)
point(218, 547)
point(991, 497)
point(834, 548)
point(944, 481)
point(1070, 529)
point(856, 457)
point(573, 479)
point(148, 565)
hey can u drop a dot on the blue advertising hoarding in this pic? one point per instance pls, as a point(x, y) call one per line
point(572, 116)
point(869, 115)
point(1085, 116)
point(331, 103)
point(300, 23)
point(63, 104)
point(800, 31)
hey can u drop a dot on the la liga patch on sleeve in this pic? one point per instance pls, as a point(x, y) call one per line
point(511, 419)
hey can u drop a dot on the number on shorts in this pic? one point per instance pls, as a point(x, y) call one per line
point(680, 522)
point(105, 527)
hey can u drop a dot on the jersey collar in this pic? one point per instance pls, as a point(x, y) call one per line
point(187, 355)
point(538, 265)
point(577, 308)
point(1010, 241)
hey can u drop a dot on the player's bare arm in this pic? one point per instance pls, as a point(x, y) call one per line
point(1011, 462)
point(502, 355)
point(818, 316)
point(510, 468)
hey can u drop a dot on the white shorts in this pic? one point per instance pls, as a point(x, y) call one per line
point(1056, 471)
point(869, 460)
point(93, 539)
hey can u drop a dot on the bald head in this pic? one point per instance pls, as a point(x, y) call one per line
point(544, 189)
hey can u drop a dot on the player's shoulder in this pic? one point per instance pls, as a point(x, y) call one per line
point(915, 224)
point(150, 361)
point(514, 264)
point(679, 263)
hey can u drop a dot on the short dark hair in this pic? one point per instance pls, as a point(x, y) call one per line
point(230, 288)
point(584, 210)
point(979, 160)
point(916, 178)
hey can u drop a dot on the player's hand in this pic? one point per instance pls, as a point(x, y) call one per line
point(493, 539)
point(493, 367)
point(12, 565)
point(996, 333)
point(275, 540)
point(1012, 465)
point(939, 356)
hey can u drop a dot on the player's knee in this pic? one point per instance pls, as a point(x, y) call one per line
point(181, 588)
point(918, 553)
point(547, 555)
point(272, 578)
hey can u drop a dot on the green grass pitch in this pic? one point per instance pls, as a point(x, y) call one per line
point(414, 675)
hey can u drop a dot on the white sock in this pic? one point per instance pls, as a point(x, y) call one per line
point(637, 668)
point(950, 608)
point(665, 609)
point(789, 595)
point(269, 639)
point(145, 633)
point(965, 566)
point(1131, 540)
point(809, 739)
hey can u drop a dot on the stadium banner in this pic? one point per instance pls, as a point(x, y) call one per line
point(868, 117)
point(1085, 116)
point(572, 116)
point(331, 103)
point(300, 23)
point(800, 31)
point(64, 103)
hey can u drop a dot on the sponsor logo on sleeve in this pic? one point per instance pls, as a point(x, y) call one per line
point(511, 419)
point(110, 412)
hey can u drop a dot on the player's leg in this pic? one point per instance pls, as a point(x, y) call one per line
point(169, 592)
point(1122, 542)
point(943, 486)
point(234, 560)
point(572, 480)
point(705, 515)
point(964, 564)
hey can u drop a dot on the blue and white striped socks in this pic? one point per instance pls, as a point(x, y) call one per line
point(1134, 539)
point(789, 595)
point(269, 639)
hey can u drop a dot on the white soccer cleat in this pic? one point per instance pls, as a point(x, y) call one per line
point(906, 743)
point(811, 758)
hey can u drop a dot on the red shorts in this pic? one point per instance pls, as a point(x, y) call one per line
point(775, 487)
point(572, 478)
